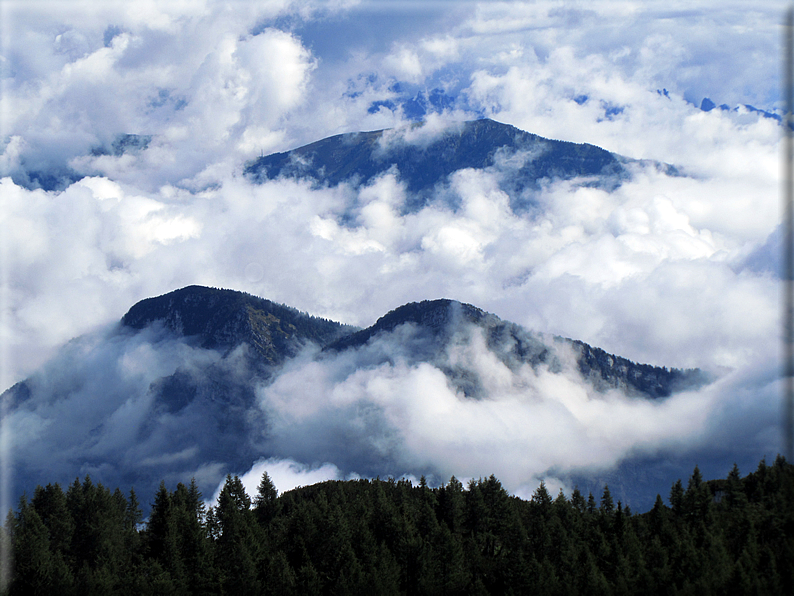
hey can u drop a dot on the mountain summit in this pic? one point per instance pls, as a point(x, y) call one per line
point(224, 319)
point(425, 160)
point(440, 323)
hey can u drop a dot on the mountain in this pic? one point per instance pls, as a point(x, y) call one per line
point(522, 161)
point(194, 383)
point(224, 319)
point(440, 320)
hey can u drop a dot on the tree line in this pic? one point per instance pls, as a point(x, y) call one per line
point(727, 536)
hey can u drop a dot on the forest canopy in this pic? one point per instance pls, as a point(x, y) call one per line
point(726, 536)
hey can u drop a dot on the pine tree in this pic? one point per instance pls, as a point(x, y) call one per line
point(607, 505)
point(191, 536)
point(50, 504)
point(591, 504)
point(266, 500)
point(542, 498)
point(697, 498)
point(578, 501)
point(134, 515)
point(161, 537)
point(677, 498)
point(33, 566)
point(450, 504)
point(657, 517)
point(238, 543)
point(98, 543)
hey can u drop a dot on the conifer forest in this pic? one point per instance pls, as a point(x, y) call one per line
point(725, 536)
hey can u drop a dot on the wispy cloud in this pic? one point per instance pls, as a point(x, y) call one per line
point(667, 270)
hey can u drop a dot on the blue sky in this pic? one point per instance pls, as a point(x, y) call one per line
point(669, 271)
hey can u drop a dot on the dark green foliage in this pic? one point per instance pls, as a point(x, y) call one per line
point(238, 544)
point(607, 370)
point(677, 497)
point(223, 319)
point(731, 536)
point(266, 501)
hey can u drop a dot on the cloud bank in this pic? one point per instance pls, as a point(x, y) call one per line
point(137, 408)
point(666, 270)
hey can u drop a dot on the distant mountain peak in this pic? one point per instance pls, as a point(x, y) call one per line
point(426, 158)
point(224, 319)
point(432, 314)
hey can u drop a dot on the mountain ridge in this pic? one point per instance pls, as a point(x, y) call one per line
point(193, 383)
point(425, 164)
point(225, 318)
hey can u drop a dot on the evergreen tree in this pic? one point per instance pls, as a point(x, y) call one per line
point(450, 505)
point(578, 501)
point(607, 505)
point(677, 497)
point(161, 537)
point(237, 544)
point(50, 504)
point(591, 504)
point(98, 544)
point(390, 538)
point(134, 515)
point(266, 500)
point(542, 498)
point(735, 496)
point(34, 572)
point(697, 498)
point(191, 537)
point(657, 517)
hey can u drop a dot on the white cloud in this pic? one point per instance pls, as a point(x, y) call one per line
point(194, 77)
point(531, 423)
point(286, 475)
point(652, 271)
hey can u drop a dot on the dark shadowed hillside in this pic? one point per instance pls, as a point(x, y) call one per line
point(180, 388)
point(527, 158)
point(438, 322)
point(223, 319)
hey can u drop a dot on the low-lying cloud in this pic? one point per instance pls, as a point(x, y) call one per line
point(669, 270)
point(379, 411)
point(586, 263)
point(136, 408)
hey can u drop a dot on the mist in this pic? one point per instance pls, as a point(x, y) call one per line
point(676, 271)
point(138, 408)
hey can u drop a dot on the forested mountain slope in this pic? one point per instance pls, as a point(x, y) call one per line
point(200, 381)
point(425, 160)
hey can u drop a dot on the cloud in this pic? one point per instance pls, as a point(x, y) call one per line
point(132, 409)
point(93, 398)
point(382, 410)
point(586, 263)
point(286, 475)
point(670, 270)
point(194, 78)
